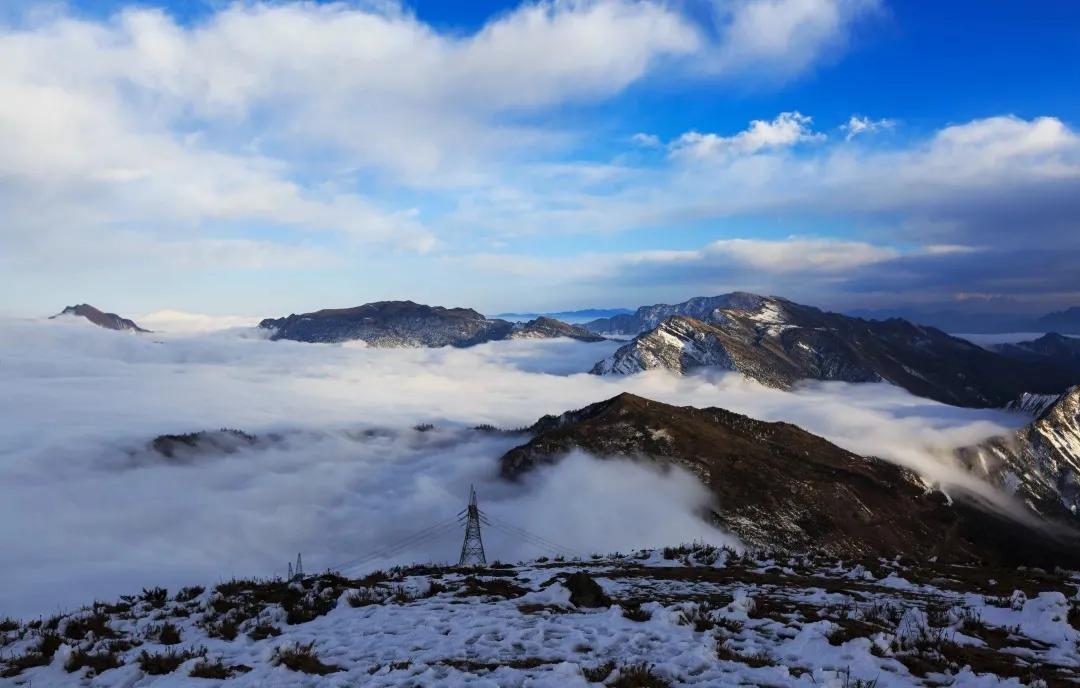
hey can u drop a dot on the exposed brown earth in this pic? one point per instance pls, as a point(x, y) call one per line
point(775, 484)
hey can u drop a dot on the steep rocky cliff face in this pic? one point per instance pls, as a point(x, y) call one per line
point(1039, 463)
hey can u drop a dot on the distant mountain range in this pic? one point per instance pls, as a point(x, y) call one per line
point(1050, 348)
point(960, 322)
point(573, 317)
point(772, 340)
point(409, 324)
point(110, 321)
point(1065, 322)
point(778, 342)
point(776, 485)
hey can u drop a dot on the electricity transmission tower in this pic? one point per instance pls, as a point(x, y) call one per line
point(472, 550)
point(298, 572)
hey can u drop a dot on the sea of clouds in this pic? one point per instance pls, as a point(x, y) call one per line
point(88, 511)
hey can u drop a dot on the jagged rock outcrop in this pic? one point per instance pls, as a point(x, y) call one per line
point(778, 342)
point(678, 343)
point(1032, 404)
point(776, 485)
point(1039, 463)
point(110, 321)
point(548, 328)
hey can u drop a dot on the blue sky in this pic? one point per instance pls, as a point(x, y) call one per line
point(266, 158)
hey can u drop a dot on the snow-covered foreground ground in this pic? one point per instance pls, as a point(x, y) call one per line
point(695, 617)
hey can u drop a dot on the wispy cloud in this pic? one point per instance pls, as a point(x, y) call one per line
point(788, 129)
point(864, 125)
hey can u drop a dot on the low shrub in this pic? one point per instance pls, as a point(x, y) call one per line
point(639, 676)
point(302, 658)
point(263, 631)
point(159, 663)
point(189, 593)
point(598, 673)
point(99, 662)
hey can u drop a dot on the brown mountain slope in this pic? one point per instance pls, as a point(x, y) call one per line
point(110, 321)
point(775, 484)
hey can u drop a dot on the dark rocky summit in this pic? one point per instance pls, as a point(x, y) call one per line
point(1050, 349)
point(110, 321)
point(547, 328)
point(778, 342)
point(188, 445)
point(1067, 321)
point(776, 485)
point(407, 324)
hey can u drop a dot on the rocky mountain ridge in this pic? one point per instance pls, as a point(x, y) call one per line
point(407, 324)
point(648, 317)
point(544, 327)
point(1066, 321)
point(109, 321)
point(778, 342)
point(1039, 463)
point(1050, 349)
point(776, 485)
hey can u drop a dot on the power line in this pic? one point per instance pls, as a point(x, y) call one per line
point(533, 538)
point(400, 544)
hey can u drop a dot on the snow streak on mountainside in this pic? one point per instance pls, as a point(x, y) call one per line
point(1039, 463)
point(1033, 404)
point(678, 344)
point(778, 342)
point(648, 317)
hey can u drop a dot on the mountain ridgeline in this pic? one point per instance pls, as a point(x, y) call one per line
point(408, 324)
point(771, 340)
point(109, 321)
point(778, 342)
point(1051, 348)
point(776, 485)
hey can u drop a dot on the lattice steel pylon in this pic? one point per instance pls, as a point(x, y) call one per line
point(472, 550)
